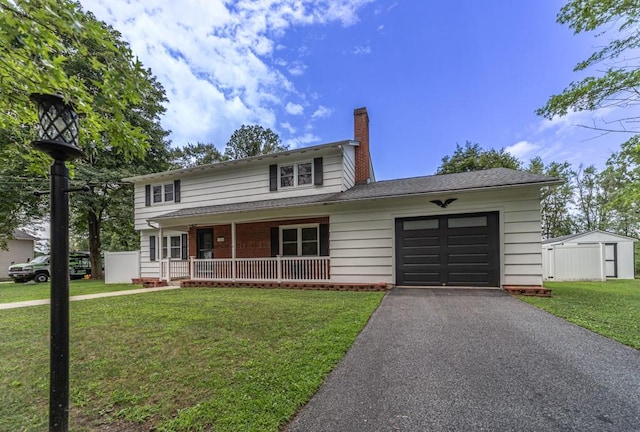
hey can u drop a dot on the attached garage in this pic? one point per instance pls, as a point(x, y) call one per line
point(448, 250)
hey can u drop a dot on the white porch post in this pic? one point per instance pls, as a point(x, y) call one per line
point(192, 267)
point(159, 249)
point(279, 267)
point(233, 251)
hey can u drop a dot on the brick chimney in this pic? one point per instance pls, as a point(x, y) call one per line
point(361, 133)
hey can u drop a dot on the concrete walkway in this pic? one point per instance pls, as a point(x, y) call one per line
point(475, 360)
point(28, 303)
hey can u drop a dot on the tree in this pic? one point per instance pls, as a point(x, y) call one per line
point(253, 141)
point(38, 40)
point(195, 154)
point(555, 201)
point(472, 157)
point(55, 47)
point(591, 200)
point(617, 83)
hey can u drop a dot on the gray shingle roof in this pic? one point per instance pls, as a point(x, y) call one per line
point(477, 180)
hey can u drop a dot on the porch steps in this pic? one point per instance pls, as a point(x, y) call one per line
point(149, 282)
point(195, 283)
point(536, 291)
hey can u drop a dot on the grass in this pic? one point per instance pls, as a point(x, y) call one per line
point(610, 308)
point(15, 292)
point(183, 360)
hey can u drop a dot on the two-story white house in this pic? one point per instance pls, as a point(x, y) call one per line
point(316, 215)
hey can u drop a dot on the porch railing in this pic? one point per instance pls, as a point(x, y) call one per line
point(278, 269)
point(171, 269)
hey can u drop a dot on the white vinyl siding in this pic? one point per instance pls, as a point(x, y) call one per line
point(363, 244)
point(237, 183)
point(349, 168)
point(20, 251)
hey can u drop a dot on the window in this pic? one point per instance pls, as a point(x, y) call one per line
point(299, 174)
point(157, 194)
point(174, 246)
point(162, 193)
point(168, 192)
point(300, 240)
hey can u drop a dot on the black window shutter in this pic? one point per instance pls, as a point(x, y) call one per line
point(185, 245)
point(324, 239)
point(176, 190)
point(318, 175)
point(275, 241)
point(273, 177)
point(147, 195)
point(152, 248)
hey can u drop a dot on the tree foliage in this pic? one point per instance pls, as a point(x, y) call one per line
point(617, 80)
point(55, 47)
point(39, 40)
point(253, 141)
point(472, 157)
point(195, 154)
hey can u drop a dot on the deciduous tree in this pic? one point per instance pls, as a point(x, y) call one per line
point(253, 141)
point(472, 157)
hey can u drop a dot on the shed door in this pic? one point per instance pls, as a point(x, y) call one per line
point(610, 260)
point(454, 250)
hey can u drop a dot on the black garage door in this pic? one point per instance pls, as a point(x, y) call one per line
point(452, 250)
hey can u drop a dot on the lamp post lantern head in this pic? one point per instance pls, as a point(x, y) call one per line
point(58, 127)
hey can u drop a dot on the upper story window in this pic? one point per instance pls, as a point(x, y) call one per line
point(294, 174)
point(162, 193)
point(298, 174)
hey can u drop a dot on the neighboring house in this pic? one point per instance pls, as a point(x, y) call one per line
point(20, 250)
point(592, 255)
point(317, 214)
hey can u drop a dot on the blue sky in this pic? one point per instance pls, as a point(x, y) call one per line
point(431, 74)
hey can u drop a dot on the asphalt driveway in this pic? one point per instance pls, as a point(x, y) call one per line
point(475, 360)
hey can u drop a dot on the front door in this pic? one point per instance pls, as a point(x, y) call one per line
point(204, 243)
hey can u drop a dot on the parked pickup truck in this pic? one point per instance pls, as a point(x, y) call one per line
point(38, 268)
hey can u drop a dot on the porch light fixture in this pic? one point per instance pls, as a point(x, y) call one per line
point(58, 137)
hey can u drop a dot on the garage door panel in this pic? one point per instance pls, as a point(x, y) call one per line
point(464, 250)
point(422, 259)
point(478, 259)
point(464, 240)
point(469, 279)
point(421, 241)
point(422, 278)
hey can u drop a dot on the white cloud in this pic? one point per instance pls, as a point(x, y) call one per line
point(361, 50)
point(214, 57)
point(288, 127)
point(297, 68)
point(522, 149)
point(321, 112)
point(302, 140)
point(294, 109)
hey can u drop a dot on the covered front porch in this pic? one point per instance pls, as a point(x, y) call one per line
point(272, 251)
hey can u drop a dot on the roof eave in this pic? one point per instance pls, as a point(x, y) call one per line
point(402, 195)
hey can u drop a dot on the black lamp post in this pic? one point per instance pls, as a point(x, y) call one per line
point(58, 137)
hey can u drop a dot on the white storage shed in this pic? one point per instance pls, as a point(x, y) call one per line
point(592, 255)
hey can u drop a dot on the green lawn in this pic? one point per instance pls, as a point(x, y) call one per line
point(610, 308)
point(182, 360)
point(15, 292)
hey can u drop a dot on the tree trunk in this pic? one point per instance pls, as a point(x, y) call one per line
point(94, 245)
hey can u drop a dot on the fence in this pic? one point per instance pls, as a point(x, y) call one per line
point(121, 267)
point(574, 262)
